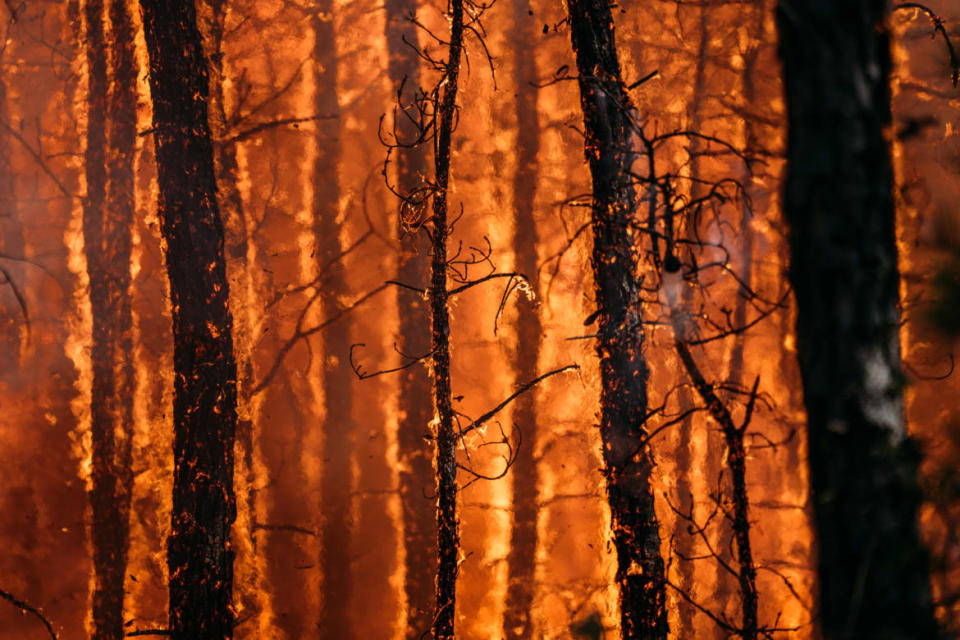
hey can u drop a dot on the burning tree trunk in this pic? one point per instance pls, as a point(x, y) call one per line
point(448, 535)
point(839, 203)
point(107, 224)
point(522, 558)
point(338, 424)
point(623, 369)
point(204, 412)
point(212, 16)
point(414, 407)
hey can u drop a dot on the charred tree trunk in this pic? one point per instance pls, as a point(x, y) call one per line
point(738, 536)
point(107, 224)
point(525, 480)
point(448, 534)
point(736, 463)
point(212, 15)
point(620, 347)
point(414, 406)
point(204, 406)
point(839, 204)
point(338, 421)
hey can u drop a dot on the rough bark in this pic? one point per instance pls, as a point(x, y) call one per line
point(525, 478)
point(838, 202)
point(212, 15)
point(107, 223)
point(414, 405)
point(620, 341)
point(338, 421)
point(448, 535)
point(199, 559)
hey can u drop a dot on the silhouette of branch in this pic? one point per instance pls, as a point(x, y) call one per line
point(301, 333)
point(479, 422)
point(938, 27)
point(26, 607)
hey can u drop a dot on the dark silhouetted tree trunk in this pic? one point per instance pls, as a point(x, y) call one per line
point(212, 15)
point(415, 410)
point(107, 224)
point(204, 412)
point(736, 464)
point(448, 534)
point(525, 480)
point(620, 341)
point(839, 204)
point(338, 422)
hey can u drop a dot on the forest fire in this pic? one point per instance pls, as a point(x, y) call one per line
point(508, 320)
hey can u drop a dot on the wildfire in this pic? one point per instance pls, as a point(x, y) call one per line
point(325, 129)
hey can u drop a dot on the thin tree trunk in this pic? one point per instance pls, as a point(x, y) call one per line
point(107, 224)
point(623, 368)
point(685, 461)
point(838, 201)
point(525, 480)
point(338, 421)
point(736, 464)
point(12, 321)
point(735, 457)
point(448, 535)
point(204, 412)
point(414, 406)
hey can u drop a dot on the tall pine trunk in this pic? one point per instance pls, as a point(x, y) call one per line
point(204, 407)
point(414, 407)
point(107, 223)
point(839, 204)
point(620, 341)
point(525, 479)
point(448, 525)
point(338, 421)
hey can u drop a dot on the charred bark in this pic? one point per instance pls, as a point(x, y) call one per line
point(838, 201)
point(107, 224)
point(525, 480)
point(620, 346)
point(338, 421)
point(212, 15)
point(448, 534)
point(414, 405)
point(204, 407)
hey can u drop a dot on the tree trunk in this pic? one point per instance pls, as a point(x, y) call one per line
point(525, 478)
point(107, 225)
point(212, 16)
point(839, 204)
point(620, 341)
point(204, 407)
point(338, 421)
point(414, 406)
point(13, 325)
point(448, 535)
point(736, 463)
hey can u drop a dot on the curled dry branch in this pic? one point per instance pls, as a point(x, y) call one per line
point(26, 607)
